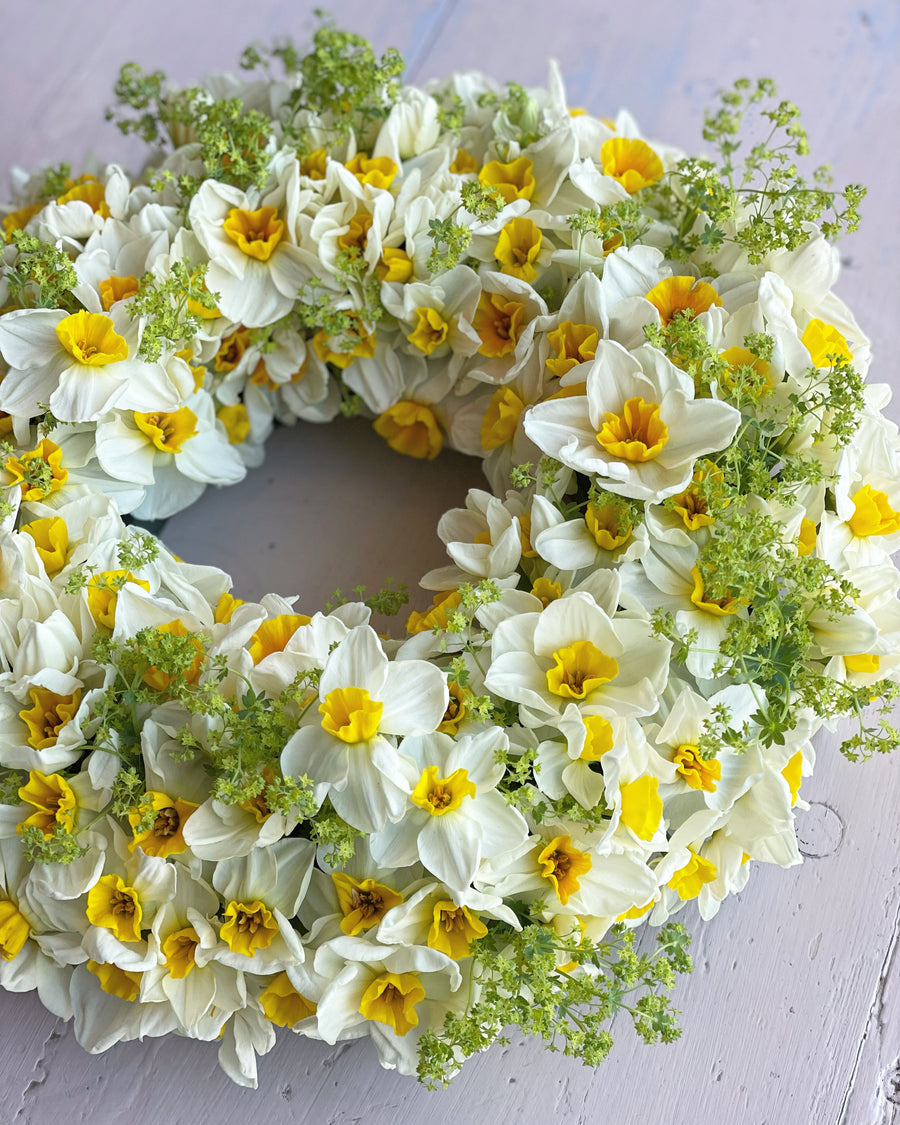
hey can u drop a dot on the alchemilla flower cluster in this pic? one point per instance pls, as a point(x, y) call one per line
point(218, 817)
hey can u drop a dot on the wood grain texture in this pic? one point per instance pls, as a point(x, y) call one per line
point(793, 1013)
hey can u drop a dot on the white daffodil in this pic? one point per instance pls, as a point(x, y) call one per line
point(107, 1008)
point(113, 262)
point(42, 725)
point(561, 873)
point(436, 317)
point(355, 897)
point(121, 905)
point(173, 453)
point(454, 816)
point(260, 892)
point(391, 994)
point(575, 652)
point(604, 537)
point(580, 766)
point(443, 918)
point(364, 697)
point(254, 265)
point(669, 577)
point(187, 976)
point(82, 365)
point(638, 429)
point(716, 782)
point(24, 964)
point(485, 540)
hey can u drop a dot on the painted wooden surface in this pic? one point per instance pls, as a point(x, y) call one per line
point(792, 1015)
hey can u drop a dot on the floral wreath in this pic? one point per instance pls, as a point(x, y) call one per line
point(218, 817)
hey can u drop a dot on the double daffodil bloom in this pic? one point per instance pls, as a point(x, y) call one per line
point(364, 698)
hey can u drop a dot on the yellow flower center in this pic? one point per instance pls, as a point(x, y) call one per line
point(225, 607)
point(873, 514)
point(607, 525)
point(376, 171)
point(573, 344)
point(638, 434)
point(179, 949)
point(394, 265)
point(642, 806)
point(47, 715)
point(411, 428)
point(91, 339)
point(632, 162)
point(501, 419)
point(391, 998)
point(116, 981)
point(88, 191)
point(354, 342)
point(463, 163)
point(699, 773)
point(314, 164)
point(738, 358)
point(53, 800)
point(579, 669)
point(438, 616)
point(236, 421)
point(255, 233)
point(363, 903)
point(562, 864)
point(116, 907)
point(498, 322)
point(356, 235)
point(517, 249)
point(248, 926)
point(453, 929)
point(867, 662)
point(18, 220)
point(717, 607)
point(455, 711)
point(231, 350)
point(806, 540)
point(283, 1005)
point(274, 634)
point(14, 930)
point(430, 331)
point(351, 715)
point(824, 343)
point(546, 591)
point(165, 836)
point(598, 738)
point(514, 180)
point(38, 472)
point(117, 289)
point(689, 880)
point(168, 431)
point(684, 295)
point(793, 775)
point(51, 537)
point(439, 795)
point(102, 591)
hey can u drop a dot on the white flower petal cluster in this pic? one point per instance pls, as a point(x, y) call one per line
point(221, 817)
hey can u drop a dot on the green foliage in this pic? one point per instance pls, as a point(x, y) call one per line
point(564, 990)
point(335, 835)
point(41, 276)
point(762, 203)
point(58, 846)
point(450, 244)
point(162, 303)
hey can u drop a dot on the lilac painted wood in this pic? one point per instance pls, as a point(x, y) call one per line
point(793, 1013)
